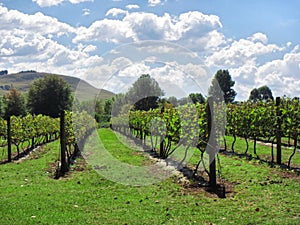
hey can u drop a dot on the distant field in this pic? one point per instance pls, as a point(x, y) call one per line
point(22, 81)
point(30, 195)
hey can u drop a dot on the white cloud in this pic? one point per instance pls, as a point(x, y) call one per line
point(26, 44)
point(282, 74)
point(132, 6)
point(259, 37)
point(86, 12)
point(112, 31)
point(154, 2)
point(238, 53)
point(79, 1)
point(13, 19)
point(89, 48)
point(49, 3)
point(193, 29)
point(115, 12)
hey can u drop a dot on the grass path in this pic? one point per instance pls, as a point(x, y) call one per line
point(29, 195)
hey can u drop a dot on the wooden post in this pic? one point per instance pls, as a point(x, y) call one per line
point(278, 130)
point(211, 148)
point(63, 146)
point(8, 139)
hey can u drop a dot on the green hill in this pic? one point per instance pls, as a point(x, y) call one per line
point(23, 80)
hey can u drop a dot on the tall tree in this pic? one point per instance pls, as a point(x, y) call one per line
point(254, 95)
point(14, 103)
point(173, 100)
point(144, 93)
point(108, 106)
point(50, 96)
point(221, 87)
point(262, 93)
point(197, 98)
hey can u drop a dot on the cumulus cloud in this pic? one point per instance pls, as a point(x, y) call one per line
point(115, 12)
point(113, 31)
point(26, 44)
point(194, 29)
point(282, 74)
point(13, 19)
point(49, 3)
point(238, 53)
point(259, 37)
point(154, 2)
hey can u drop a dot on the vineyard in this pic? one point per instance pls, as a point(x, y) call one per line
point(187, 126)
point(30, 131)
point(187, 133)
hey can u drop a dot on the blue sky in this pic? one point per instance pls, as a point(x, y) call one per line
point(258, 41)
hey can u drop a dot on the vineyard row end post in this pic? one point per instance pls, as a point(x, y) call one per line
point(278, 130)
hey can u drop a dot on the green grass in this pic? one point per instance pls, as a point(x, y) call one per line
point(264, 151)
point(29, 194)
point(23, 147)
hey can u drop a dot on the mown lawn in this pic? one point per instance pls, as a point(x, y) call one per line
point(263, 151)
point(30, 195)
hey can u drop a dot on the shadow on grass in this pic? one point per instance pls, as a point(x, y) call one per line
point(249, 157)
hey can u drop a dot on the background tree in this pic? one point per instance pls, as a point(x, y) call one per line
point(49, 96)
point(173, 100)
point(3, 72)
point(52, 96)
point(197, 98)
point(117, 102)
point(14, 103)
point(263, 93)
point(144, 93)
point(221, 87)
point(108, 106)
point(254, 95)
point(183, 101)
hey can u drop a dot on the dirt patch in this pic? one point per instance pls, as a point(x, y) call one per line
point(225, 189)
point(79, 165)
point(288, 175)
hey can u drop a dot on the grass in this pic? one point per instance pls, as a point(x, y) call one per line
point(22, 148)
point(264, 151)
point(29, 194)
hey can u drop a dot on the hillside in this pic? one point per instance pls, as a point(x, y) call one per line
point(23, 80)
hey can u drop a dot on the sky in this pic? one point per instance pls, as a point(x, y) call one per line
point(181, 43)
